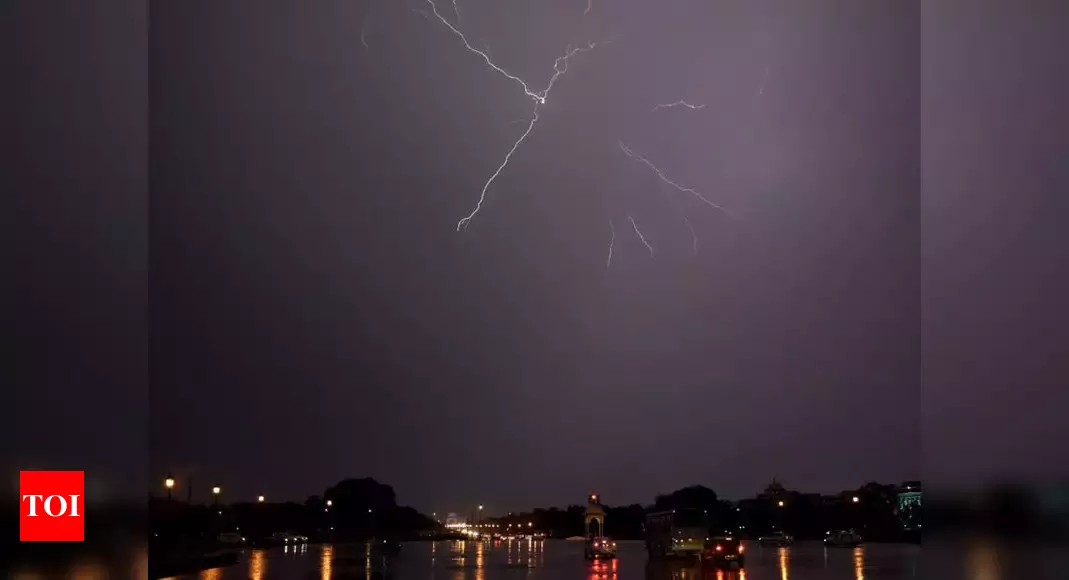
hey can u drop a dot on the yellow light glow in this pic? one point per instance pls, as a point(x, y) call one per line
point(216, 490)
point(260, 499)
point(169, 482)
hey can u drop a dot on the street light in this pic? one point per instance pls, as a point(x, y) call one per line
point(260, 499)
point(856, 499)
point(330, 502)
point(169, 484)
point(781, 503)
point(215, 494)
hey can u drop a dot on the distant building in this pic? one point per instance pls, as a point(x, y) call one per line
point(774, 491)
point(908, 504)
point(452, 520)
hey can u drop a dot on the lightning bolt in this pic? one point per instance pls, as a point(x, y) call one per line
point(640, 236)
point(560, 66)
point(363, 40)
point(456, 10)
point(589, 5)
point(612, 242)
point(678, 104)
point(627, 151)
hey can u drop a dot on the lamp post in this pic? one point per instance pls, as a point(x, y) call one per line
point(215, 494)
point(169, 484)
point(480, 514)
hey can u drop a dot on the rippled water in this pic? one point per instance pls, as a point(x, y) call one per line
point(562, 560)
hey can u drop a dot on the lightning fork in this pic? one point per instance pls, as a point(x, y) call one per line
point(627, 151)
point(589, 5)
point(560, 66)
point(640, 236)
point(677, 104)
point(612, 242)
point(481, 53)
point(482, 195)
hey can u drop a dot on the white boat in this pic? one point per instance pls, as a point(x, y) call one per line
point(843, 539)
point(776, 539)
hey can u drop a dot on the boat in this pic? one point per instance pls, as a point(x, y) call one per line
point(599, 548)
point(778, 539)
point(843, 539)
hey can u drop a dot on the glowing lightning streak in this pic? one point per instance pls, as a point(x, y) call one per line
point(678, 104)
point(612, 242)
point(589, 5)
point(456, 10)
point(363, 40)
point(627, 151)
point(560, 66)
point(485, 57)
point(640, 236)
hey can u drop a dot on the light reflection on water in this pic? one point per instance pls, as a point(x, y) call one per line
point(550, 560)
point(257, 565)
point(982, 561)
point(326, 562)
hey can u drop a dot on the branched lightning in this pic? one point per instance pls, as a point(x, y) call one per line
point(456, 10)
point(627, 151)
point(589, 5)
point(363, 40)
point(680, 103)
point(612, 242)
point(560, 66)
point(640, 236)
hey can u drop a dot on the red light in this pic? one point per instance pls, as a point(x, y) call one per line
point(740, 548)
point(719, 547)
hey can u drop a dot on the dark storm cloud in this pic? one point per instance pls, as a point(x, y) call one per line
point(74, 204)
point(316, 315)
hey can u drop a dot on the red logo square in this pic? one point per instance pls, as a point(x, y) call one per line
point(53, 506)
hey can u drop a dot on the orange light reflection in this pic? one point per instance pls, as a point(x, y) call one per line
point(326, 562)
point(257, 565)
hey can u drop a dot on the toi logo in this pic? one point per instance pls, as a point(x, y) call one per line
point(52, 505)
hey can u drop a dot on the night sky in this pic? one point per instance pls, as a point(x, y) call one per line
point(314, 314)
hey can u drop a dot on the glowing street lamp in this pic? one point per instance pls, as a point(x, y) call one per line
point(215, 494)
point(856, 499)
point(330, 502)
point(169, 484)
point(260, 499)
point(781, 503)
